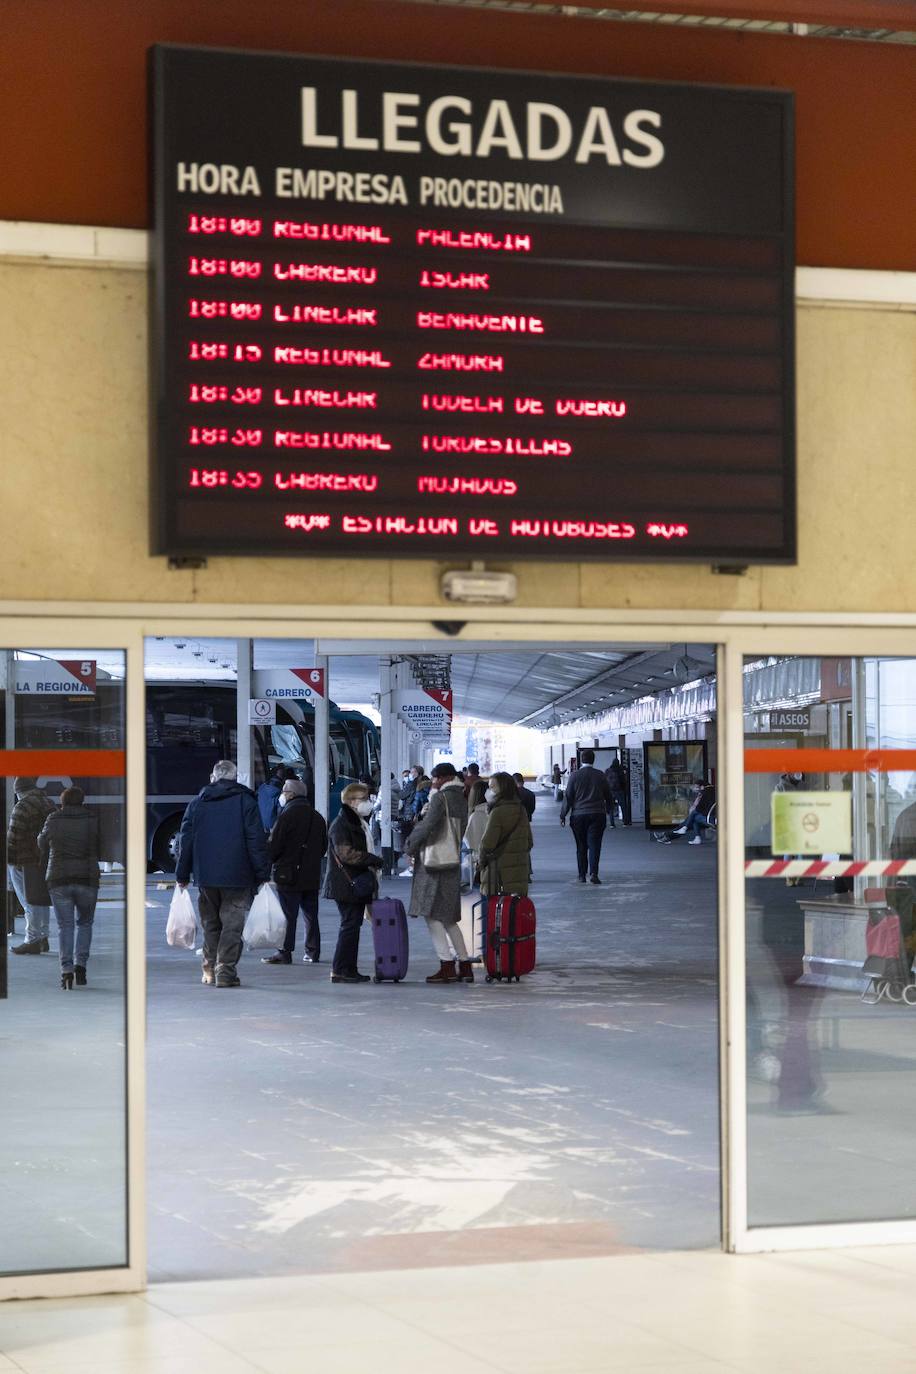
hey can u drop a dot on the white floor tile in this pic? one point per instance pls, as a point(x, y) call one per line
point(418, 1356)
point(296, 1328)
point(242, 1295)
point(46, 1337)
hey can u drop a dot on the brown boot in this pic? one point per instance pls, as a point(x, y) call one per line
point(465, 971)
point(446, 972)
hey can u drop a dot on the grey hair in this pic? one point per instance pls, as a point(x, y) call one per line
point(294, 788)
point(224, 769)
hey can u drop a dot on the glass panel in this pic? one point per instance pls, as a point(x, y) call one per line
point(830, 835)
point(63, 1145)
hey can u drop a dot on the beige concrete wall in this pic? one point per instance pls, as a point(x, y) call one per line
point(74, 452)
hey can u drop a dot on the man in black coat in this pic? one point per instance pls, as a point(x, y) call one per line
point(525, 795)
point(297, 844)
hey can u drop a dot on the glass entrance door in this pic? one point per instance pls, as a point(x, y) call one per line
point(63, 1043)
point(830, 877)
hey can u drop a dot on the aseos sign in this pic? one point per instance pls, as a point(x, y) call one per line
point(68, 677)
point(427, 711)
point(405, 310)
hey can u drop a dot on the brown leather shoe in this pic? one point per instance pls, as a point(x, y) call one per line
point(446, 972)
point(465, 971)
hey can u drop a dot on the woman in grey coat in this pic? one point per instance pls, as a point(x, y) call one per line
point(436, 894)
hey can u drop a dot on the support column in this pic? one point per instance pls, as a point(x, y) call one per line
point(9, 740)
point(388, 760)
point(859, 780)
point(322, 773)
point(242, 728)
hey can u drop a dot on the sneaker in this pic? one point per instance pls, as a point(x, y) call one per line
point(31, 947)
point(208, 977)
point(350, 978)
point(307, 959)
point(581, 878)
point(696, 840)
point(594, 878)
point(228, 980)
point(278, 958)
point(681, 830)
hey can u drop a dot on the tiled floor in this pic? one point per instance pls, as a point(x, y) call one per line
point(687, 1313)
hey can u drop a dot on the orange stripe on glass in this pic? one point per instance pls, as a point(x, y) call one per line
point(829, 760)
point(69, 763)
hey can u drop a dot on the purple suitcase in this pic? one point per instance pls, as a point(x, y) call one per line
point(389, 934)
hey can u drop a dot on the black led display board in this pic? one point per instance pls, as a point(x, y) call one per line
point(414, 310)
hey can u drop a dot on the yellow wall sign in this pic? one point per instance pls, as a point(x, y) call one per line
point(812, 822)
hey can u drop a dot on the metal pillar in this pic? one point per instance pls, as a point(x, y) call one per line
point(859, 780)
point(322, 741)
point(388, 759)
point(243, 696)
point(10, 906)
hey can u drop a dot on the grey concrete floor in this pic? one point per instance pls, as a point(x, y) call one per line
point(297, 1126)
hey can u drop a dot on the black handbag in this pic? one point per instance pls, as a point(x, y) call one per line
point(362, 886)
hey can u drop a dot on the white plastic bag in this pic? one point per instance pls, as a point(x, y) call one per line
point(181, 927)
point(265, 927)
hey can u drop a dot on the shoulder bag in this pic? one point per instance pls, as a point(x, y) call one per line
point(445, 851)
point(363, 885)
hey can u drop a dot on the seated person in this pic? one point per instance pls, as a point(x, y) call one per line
point(697, 816)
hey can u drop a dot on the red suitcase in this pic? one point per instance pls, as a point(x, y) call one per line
point(509, 946)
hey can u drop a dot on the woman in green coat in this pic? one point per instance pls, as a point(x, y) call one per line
point(506, 842)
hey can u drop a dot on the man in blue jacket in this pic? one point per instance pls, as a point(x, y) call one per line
point(222, 844)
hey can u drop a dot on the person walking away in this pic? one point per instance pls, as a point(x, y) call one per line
point(587, 802)
point(505, 846)
point(525, 795)
point(421, 797)
point(351, 879)
point(697, 821)
point(478, 815)
point(269, 795)
point(30, 811)
point(471, 781)
point(406, 797)
point(223, 846)
point(69, 848)
point(296, 845)
point(618, 785)
point(436, 893)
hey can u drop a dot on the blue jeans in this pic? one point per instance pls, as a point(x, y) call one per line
point(37, 918)
point(588, 830)
point(695, 823)
point(74, 900)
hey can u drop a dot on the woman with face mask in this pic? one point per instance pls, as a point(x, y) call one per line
point(436, 892)
point(351, 880)
point(506, 842)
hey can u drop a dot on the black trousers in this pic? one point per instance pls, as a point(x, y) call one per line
point(291, 900)
point(347, 951)
point(588, 831)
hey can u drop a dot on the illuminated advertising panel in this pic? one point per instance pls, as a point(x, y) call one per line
point(411, 310)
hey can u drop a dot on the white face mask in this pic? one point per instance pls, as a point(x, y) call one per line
point(282, 799)
point(364, 808)
point(490, 795)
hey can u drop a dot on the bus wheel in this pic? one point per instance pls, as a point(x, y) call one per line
point(165, 845)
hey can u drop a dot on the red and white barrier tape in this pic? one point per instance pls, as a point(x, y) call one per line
point(822, 868)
